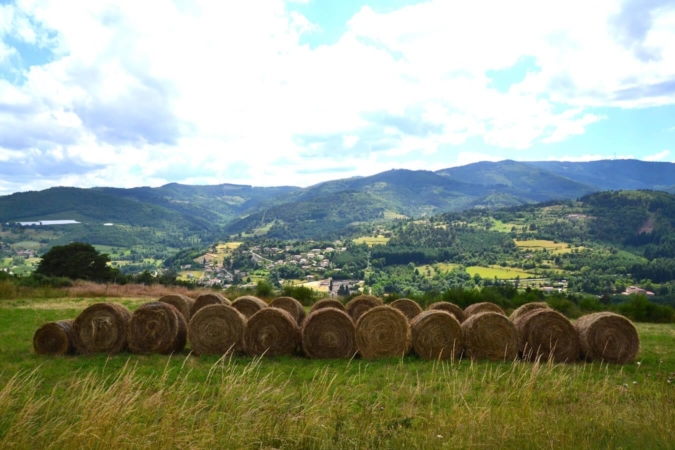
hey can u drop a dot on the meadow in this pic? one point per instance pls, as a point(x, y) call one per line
point(131, 401)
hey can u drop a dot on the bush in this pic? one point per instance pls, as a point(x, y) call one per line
point(590, 304)
point(36, 280)
point(264, 289)
point(304, 295)
point(640, 309)
point(563, 306)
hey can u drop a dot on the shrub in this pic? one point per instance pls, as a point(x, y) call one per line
point(640, 309)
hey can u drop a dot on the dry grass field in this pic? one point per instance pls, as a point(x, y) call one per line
point(183, 401)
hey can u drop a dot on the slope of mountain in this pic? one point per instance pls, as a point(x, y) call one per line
point(92, 206)
point(614, 174)
point(521, 180)
point(218, 203)
point(332, 204)
point(408, 192)
point(316, 217)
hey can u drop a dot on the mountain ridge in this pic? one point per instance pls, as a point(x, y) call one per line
point(389, 194)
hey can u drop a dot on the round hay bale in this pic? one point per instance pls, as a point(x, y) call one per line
point(490, 335)
point(217, 330)
point(329, 333)
point(157, 327)
point(478, 308)
point(526, 308)
point(208, 299)
point(359, 305)
point(410, 308)
point(248, 305)
point(54, 338)
point(547, 334)
point(291, 306)
point(101, 328)
point(436, 334)
point(182, 303)
point(608, 337)
point(271, 332)
point(327, 303)
point(383, 332)
point(449, 307)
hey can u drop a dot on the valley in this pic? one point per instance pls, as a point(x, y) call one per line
point(396, 233)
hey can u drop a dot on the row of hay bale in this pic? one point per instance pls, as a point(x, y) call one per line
point(364, 326)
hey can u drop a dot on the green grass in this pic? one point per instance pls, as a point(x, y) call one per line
point(129, 401)
point(505, 273)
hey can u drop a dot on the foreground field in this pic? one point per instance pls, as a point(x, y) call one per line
point(129, 401)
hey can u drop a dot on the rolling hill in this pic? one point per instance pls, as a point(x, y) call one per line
point(520, 180)
point(316, 217)
point(332, 205)
point(92, 207)
point(614, 174)
point(219, 203)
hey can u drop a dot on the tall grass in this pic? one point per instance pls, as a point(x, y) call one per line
point(85, 289)
point(350, 405)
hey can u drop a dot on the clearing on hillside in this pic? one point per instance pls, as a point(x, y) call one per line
point(502, 273)
point(370, 240)
point(533, 245)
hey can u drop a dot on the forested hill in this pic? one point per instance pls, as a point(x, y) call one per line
point(317, 217)
point(519, 180)
point(217, 203)
point(617, 174)
point(324, 208)
point(92, 206)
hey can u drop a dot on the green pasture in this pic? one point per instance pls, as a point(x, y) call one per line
point(129, 401)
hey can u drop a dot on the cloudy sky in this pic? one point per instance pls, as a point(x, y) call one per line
point(272, 92)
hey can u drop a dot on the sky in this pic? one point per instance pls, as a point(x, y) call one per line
point(271, 92)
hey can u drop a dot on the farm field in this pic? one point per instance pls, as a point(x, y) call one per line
point(557, 248)
point(129, 401)
point(503, 273)
point(370, 240)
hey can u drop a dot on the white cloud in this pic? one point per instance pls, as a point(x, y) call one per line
point(172, 87)
point(657, 156)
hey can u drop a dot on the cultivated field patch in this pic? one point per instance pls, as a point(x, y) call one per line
point(503, 273)
point(372, 240)
point(538, 244)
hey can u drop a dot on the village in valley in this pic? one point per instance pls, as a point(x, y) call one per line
point(298, 264)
